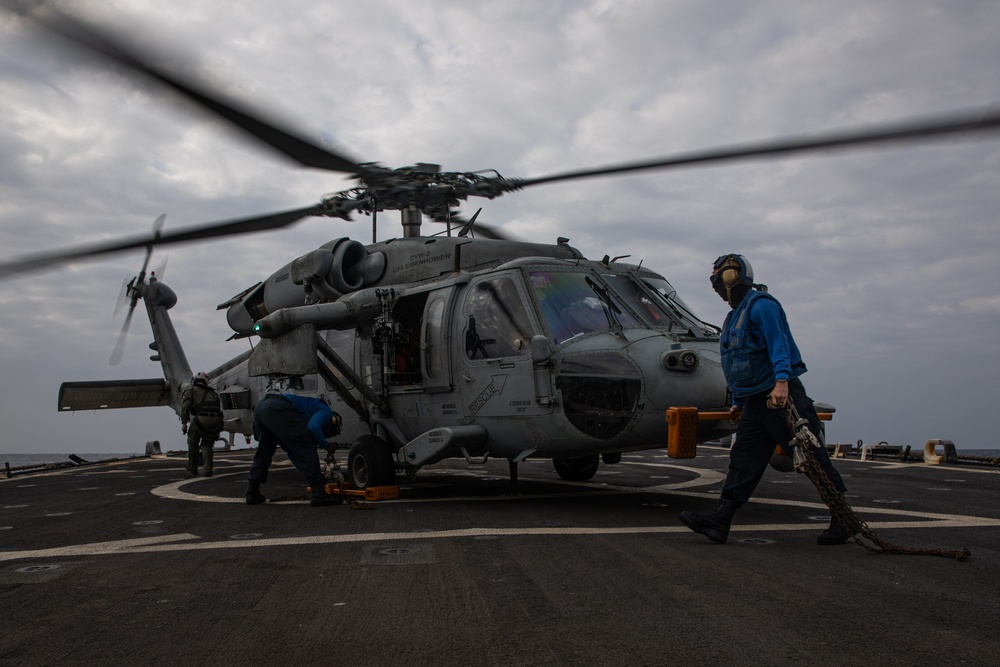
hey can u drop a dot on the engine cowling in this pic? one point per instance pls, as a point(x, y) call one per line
point(325, 274)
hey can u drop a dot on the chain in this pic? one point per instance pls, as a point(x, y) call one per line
point(803, 445)
point(333, 472)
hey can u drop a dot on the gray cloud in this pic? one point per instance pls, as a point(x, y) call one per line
point(883, 258)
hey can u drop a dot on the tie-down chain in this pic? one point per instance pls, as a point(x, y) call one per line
point(803, 446)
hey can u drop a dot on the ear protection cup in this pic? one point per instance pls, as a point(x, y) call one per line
point(730, 276)
point(731, 270)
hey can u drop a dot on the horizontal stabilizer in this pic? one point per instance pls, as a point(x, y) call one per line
point(110, 394)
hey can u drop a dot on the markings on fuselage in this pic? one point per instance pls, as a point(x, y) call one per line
point(492, 389)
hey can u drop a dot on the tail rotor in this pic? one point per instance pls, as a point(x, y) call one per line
point(132, 292)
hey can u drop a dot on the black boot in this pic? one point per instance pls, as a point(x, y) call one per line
point(714, 526)
point(835, 534)
point(320, 497)
point(254, 496)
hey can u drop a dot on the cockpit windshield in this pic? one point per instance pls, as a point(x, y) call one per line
point(574, 303)
point(654, 312)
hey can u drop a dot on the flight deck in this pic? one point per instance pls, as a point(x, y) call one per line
point(137, 562)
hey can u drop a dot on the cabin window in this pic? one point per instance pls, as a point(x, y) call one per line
point(496, 322)
point(403, 344)
point(434, 338)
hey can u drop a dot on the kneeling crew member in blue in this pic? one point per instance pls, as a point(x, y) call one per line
point(761, 362)
point(299, 425)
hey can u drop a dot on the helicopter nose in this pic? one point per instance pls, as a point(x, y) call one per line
point(622, 394)
point(688, 374)
point(683, 375)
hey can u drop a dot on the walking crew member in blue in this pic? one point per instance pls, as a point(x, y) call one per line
point(761, 362)
point(299, 425)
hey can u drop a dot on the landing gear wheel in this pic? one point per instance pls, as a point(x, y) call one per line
point(369, 463)
point(580, 469)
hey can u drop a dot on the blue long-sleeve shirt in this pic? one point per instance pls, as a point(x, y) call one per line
point(757, 346)
point(318, 414)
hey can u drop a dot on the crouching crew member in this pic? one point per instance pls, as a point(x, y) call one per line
point(200, 405)
point(299, 425)
point(761, 362)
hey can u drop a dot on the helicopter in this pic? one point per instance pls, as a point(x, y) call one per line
point(463, 344)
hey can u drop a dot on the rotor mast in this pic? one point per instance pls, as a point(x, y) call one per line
point(411, 218)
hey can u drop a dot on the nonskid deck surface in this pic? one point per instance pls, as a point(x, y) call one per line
point(138, 561)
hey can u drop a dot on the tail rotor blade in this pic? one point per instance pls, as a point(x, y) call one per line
point(157, 227)
point(160, 269)
point(116, 354)
point(122, 297)
point(130, 290)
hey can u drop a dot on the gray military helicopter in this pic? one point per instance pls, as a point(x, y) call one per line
point(457, 344)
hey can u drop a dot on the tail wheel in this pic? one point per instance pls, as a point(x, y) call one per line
point(369, 463)
point(580, 469)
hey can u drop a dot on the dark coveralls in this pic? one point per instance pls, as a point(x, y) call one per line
point(296, 424)
point(204, 428)
point(758, 349)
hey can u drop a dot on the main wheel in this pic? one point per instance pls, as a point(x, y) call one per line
point(369, 463)
point(580, 469)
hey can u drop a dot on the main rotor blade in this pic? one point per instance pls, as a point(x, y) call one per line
point(485, 231)
point(912, 130)
point(250, 121)
point(213, 230)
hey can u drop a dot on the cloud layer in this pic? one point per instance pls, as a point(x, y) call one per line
point(884, 259)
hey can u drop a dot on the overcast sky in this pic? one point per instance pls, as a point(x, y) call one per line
point(885, 260)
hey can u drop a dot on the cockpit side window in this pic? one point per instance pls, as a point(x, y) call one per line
point(641, 302)
point(674, 304)
point(496, 322)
